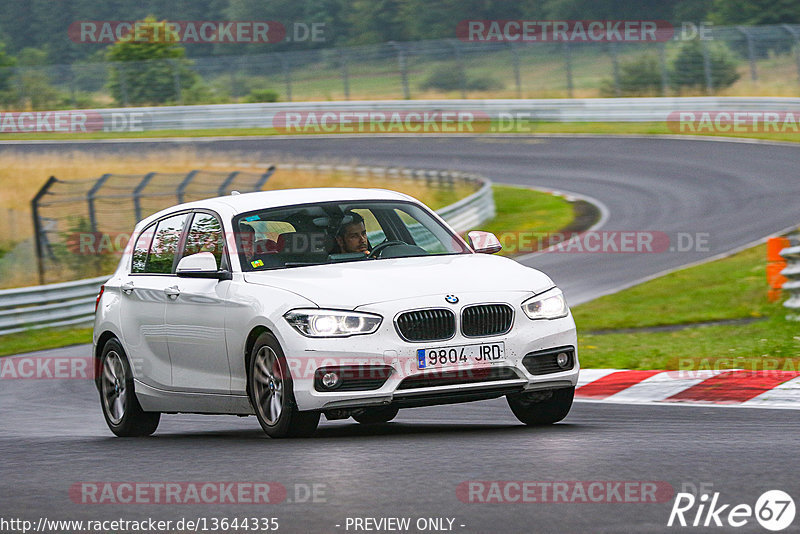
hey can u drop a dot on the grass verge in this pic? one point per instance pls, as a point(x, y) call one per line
point(493, 128)
point(733, 288)
point(45, 338)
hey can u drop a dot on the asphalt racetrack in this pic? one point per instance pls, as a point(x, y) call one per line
point(731, 194)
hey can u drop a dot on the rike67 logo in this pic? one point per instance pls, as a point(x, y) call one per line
point(774, 510)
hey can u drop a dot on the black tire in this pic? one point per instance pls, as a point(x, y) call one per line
point(269, 379)
point(121, 409)
point(538, 408)
point(378, 414)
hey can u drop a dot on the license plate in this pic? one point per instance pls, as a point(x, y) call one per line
point(466, 355)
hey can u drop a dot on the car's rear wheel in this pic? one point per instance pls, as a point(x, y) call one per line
point(537, 408)
point(121, 408)
point(272, 393)
point(378, 414)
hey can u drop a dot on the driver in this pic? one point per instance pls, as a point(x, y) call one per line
point(352, 234)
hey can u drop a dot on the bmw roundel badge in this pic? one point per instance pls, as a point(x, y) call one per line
point(452, 299)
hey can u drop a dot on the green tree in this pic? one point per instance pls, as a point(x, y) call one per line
point(730, 12)
point(6, 71)
point(638, 77)
point(33, 83)
point(688, 68)
point(149, 69)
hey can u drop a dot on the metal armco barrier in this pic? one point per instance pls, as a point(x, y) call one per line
point(72, 303)
point(204, 117)
point(792, 273)
point(29, 308)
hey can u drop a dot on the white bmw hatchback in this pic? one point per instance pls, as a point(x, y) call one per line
point(344, 302)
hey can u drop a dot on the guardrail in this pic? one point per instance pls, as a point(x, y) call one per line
point(30, 308)
point(552, 110)
point(72, 303)
point(792, 273)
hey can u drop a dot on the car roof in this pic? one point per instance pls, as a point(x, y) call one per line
point(245, 202)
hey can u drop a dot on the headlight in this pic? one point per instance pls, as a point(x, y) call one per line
point(549, 305)
point(332, 323)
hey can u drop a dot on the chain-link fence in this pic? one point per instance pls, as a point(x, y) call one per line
point(81, 226)
point(758, 60)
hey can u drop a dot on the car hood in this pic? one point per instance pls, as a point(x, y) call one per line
point(354, 284)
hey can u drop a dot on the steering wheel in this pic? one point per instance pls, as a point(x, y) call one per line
point(386, 244)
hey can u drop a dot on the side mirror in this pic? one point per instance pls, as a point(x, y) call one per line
point(201, 265)
point(484, 242)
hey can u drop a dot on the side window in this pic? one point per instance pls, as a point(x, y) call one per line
point(423, 237)
point(165, 244)
point(205, 235)
point(141, 249)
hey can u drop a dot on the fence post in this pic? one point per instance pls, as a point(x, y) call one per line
point(401, 61)
point(462, 71)
point(568, 62)
point(226, 183)
point(137, 195)
point(184, 184)
point(615, 66)
point(90, 200)
point(662, 59)
point(751, 52)
point(515, 63)
point(794, 33)
point(176, 79)
point(345, 74)
point(264, 177)
point(122, 74)
point(37, 227)
point(287, 74)
point(707, 67)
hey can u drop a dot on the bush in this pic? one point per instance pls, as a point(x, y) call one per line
point(639, 77)
point(688, 68)
point(452, 78)
point(261, 95)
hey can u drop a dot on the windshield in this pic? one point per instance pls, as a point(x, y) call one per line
point(335, 232)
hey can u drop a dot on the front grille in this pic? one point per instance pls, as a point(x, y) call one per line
point(435, 324)
point(544, 362)
point(486, 320)
point(459, 376)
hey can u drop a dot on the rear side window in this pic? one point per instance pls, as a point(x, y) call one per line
point(163, 246)
point(205, 235)
point(141, 249)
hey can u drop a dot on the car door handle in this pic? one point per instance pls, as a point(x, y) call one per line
point(127, 288)
point(172, 291)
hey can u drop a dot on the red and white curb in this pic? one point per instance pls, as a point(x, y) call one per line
point(765, 389)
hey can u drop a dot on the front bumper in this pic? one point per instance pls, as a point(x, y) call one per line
point(386, 348)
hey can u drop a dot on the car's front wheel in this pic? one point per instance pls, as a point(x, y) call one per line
point(121, 408)
point(380, 414)
point(272, 394)
point(537, 408)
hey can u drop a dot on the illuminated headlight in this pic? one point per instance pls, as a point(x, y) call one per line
point(549, 305)
point(332, 323)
